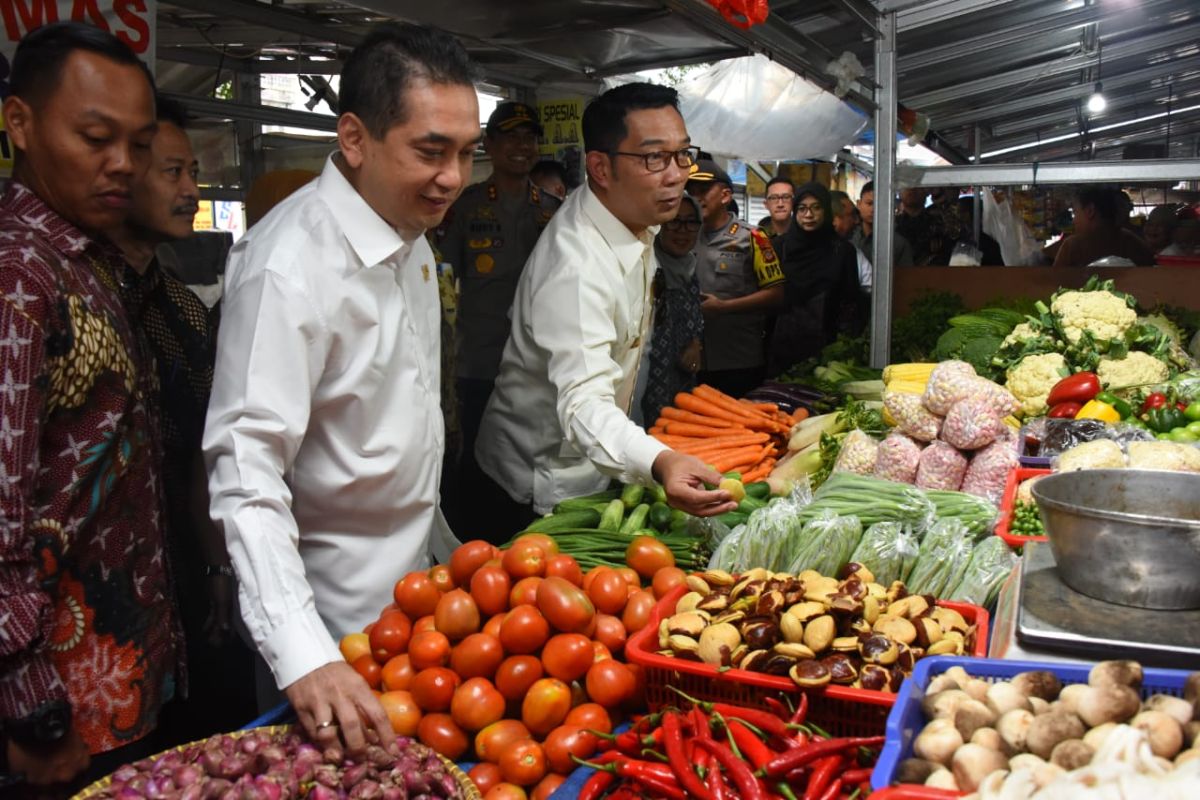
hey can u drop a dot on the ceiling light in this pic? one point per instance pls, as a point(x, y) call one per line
point(1096, 103)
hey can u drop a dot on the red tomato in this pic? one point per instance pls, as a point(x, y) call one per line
point(566, 741)
point(441, 577)
point(506, 791)
point(492, 740)
point(547, 543)
point(637, 611)
point(485, 776)
point(610, 683)
point(524, 560)
point(516, 674)
point(638, 699)
point(428, 649)
point(546, 787)
point(647, 556)
point(667, 579)
point(439, 732)
point(546, 705)
point(457, 616)
point(524, 630)
point(490, 586)
point(477, 656)
point(523, 763)
point(564, 605)
point(397, 673)
point(565, 567)
point(630, 576)
point(390, 635)
point(416, 594)
point(608, 591)
point(492, 626)
point(425, 623)
point(370, 670)
point(469, 557)
point(567, 656)
point(476, 704)
point(402, 711)
point(433, 688)
point(590, 716)
point(610, 632)
point(600, 652)
point(524, 592)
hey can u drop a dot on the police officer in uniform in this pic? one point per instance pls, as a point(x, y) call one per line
point(740, 283)
point(486, 237)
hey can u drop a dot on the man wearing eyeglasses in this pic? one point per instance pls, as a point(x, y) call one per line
point(557, 425)
point(780, 197)
point(740, 282)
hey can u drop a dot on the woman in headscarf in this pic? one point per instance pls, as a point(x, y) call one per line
point(678, 323)
point(823, 293)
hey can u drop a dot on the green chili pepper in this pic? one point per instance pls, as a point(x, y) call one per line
point(1123, 408)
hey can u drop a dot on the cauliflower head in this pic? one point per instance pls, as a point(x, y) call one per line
point(1020, 333)
point(1134, 369)
point(1164, 455)
point(1097, 454)
point(1031, 380)
point(1103, 313)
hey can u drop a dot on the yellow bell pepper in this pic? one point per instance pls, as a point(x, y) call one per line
point(1098, 409)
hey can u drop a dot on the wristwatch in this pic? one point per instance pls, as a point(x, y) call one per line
point(48, 724)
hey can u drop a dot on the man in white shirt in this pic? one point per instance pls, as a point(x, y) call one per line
point(557, 424)
point(324, 435)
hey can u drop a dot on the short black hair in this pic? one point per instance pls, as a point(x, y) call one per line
point(604, 118)
point(549, 166)
point(1102, 198)
point(835, 197)
point(172, 111)
point(779, 179)
point(392, 56)
point(37, 64)
point(869, 188)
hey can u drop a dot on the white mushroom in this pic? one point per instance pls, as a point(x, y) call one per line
point(942, 779)
point(1116, 673)
point(1050, 729)
point(1110, 702)
point(972, 763)
point(938, 741)
point(1096, 736)
point(978, 689)
point(1013, 728)
point(1004, 697)
point(1039, 705)
point(1069, 696)
point(1071, 754)
point(972, 715)
point(1038, 683)
point(1165, 734)
point(1175, 707)
point(943, 704)
point(989, 738)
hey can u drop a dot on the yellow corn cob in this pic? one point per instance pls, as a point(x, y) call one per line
point(906, 386)
point(907, 372)
point(1012, 422)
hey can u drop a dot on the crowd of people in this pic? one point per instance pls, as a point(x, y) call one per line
point(165, 466)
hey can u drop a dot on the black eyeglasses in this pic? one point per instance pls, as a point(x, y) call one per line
point(682, 224)
point(660, 159)
point(775, 198)
point(814, 210)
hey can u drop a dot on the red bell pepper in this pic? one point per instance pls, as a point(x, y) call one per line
point(1153, 400)
point(1077, 388)
point(1064, 410)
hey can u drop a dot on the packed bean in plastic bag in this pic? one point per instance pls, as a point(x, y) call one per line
point(911, 416)
point(991, 562)
point(858, 454)
point(971, 424)
point(988, 470)
point(949, 382)
point(942, 560)
point(889, 550)
point(827, 543)
point(898, 458)
point(941, 466)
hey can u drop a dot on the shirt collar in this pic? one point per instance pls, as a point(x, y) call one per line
point(629, 249)
point(372, 238)
point(25, 205)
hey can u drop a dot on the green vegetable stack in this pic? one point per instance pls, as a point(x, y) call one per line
point(1026, 521)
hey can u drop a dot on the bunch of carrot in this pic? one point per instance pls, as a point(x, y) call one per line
point(732, 435)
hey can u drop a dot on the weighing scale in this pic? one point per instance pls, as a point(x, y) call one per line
point(1053, 617)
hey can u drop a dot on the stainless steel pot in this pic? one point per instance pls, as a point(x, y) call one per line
point(1125, 536)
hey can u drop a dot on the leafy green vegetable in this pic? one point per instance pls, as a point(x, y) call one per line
point(915, 335)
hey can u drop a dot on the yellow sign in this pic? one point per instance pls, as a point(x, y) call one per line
point(204, 217)
point(562, 133)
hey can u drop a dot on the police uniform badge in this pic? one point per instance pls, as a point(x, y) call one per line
point(484, 264)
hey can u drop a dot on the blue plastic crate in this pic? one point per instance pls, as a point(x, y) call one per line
point(906, 719)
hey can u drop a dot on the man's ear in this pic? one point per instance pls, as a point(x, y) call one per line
point(18, 120)
point(352, 136)
point(599, 168)
point(726, 194)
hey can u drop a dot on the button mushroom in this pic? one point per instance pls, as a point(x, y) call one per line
point(1107, 703)
point(1004, 697)
point(989, 738)
point(938, 741)
point(915, 770)
point(1038, 683)
point(1177, 708)
point(944, 704)
point(1116, 673)
point(1071, 754)
point(1165, 734)
point(972, 763)
point(1046, 731)
point(942, 779)
point(1013, 728)
point(971, 716)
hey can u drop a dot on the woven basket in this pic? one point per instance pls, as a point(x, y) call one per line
point(465, 784)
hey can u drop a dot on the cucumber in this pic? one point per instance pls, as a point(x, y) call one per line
point(610, 520)
point(660, 494)
point(631, 495)
point(760, 490)
point(660, 516)
point(636, 518)
point(583, 518)
point(587, 501)
point(750, 504)
point(731, 519)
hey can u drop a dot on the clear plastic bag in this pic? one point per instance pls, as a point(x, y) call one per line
point(991, 562)
point(825, 545)
point(1003, 223)
point(898, 459)
point(966, 254)
point(858, 454)
point(942, 559)
point(972, 424)
point(941, 466)
point(889, 550)
point(911, 417)
point(726, 553)
point(766, 536)
point(988, 470)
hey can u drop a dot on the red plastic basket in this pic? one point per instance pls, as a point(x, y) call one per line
point(842, 710)
point(1015, 478)
point(913, 793)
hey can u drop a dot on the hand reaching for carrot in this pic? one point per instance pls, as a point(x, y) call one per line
point(683, 478)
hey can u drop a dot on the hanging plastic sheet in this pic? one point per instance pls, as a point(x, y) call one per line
point(756, 109)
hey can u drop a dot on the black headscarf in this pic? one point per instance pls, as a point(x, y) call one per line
point(807, 257)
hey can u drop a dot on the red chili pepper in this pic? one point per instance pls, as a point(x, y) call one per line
point(779, 708)
point(801, 710)
point(596, 785)
point(1064, 410)
point(768, 722)
point(1079, 388)
point(753, 749)
point(834, 791)
point(700, 724)
point(823, 773)
point(1181, 406)
point(786, 762)
point(853, 777)
point(747, 784)
point(714, 781)
point(677, 757)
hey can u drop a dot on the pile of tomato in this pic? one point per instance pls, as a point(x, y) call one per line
point(511, 657)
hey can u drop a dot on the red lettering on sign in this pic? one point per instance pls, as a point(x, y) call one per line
point(20, 16)
point(128, 12)
point(92, 12)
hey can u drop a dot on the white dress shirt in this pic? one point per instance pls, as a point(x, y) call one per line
point(324, 436)
point(557, 424)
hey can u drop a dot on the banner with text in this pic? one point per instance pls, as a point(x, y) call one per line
point(131, 21)
point(562, 129)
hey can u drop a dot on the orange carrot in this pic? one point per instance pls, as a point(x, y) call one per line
point(750, 417)
point(700, 419)
point(696, 405)
point(801, 413)
point(767, 408)
point(724, 446)
point(657, 429)
point(760, 472)
point(742, 457)
point(688, 429)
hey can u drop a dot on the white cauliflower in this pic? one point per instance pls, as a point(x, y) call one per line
point(1103, 313)
point(1135, 369)
point(1096, 454)
point(1164, 455)
point(1031, 380)
point(1019, 334)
